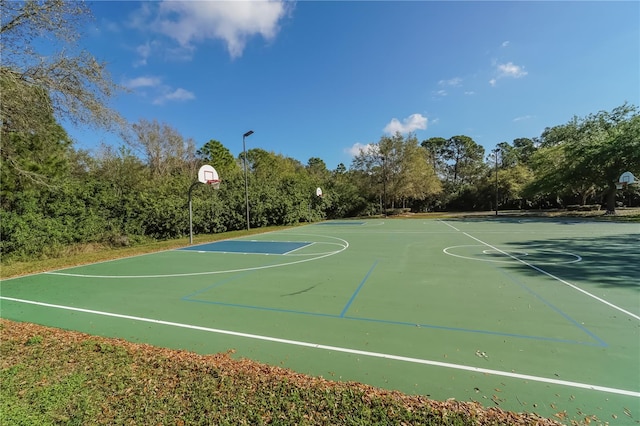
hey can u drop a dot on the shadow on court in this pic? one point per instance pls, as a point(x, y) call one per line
point(611, 261)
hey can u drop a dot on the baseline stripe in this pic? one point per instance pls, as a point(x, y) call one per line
point(339, 349)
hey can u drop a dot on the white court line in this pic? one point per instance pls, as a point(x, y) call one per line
point(344, 246)
point(449, 225)
point(340, 349)
point(575, 287)
point(119, 258)
point(308, 244)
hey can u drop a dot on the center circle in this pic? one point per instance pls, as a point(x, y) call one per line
point(510, 255)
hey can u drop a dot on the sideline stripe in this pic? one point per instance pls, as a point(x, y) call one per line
point(449, 225)
point(342, 350)
point(400, 323)
point(567, 283)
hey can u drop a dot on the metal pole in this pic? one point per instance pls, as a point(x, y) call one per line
point(246, 181)
point(495, 153)
point(191, 214)
point(384, 186)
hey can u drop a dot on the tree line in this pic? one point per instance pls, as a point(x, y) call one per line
point(54, 196)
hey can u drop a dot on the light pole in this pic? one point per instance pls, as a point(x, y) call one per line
point(495, 155)
point(246, 181)
point(384, 186)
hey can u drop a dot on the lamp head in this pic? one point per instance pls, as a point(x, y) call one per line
point(249, 133)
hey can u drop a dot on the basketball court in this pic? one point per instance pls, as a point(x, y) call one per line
point(526, 314)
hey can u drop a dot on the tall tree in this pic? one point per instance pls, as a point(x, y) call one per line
point(524, 148)
point(317, 168)
point(164, 148)
point(465, 159)
point(42, 87)
point(417, 178)
point(399, 170)
point(219, 156)
point(69, 82)
point(33, 160)
point(436, 149)
point(340, 169)
point(589, 154)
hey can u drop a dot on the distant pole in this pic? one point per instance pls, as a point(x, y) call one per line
point(246, 181)
point(495, 155)
point(193, 185)
point(384, 186)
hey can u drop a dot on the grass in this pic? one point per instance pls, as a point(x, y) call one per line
point(82, 255)
point(49, 376)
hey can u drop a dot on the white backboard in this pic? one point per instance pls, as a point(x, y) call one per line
point(207, 173)
point(627, 177)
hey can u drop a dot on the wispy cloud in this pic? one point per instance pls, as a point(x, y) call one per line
point(511, 70)
point(522, 118)
point(409, 124)
point(440, 93)
point(109, 25)
point(455, 82)
point(144, 81)
point(152, 87)
point(233, 22)
point(143, 51)
point(508, 70)
point(469, 92)
point(505, 43)
point(175, 95)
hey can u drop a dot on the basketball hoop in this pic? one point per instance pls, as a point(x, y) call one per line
point(215, 183)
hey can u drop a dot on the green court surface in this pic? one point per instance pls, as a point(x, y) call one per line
point(527, 314)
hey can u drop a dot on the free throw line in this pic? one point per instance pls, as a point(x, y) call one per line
point(338, 349)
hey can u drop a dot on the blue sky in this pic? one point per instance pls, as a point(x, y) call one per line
point(323, 78)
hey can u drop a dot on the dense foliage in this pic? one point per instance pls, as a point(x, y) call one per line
point(61, 196)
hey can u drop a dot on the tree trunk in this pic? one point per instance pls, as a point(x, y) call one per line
point(610, 197)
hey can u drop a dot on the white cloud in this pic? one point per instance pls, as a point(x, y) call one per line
point(153, 87)
point(409, 124)
point(175, 95)
point(469, 92)
point(440, 93)
point(508, 70)
point(524, 117)
point(180, 95)
point(511, 70)
point(455, 82)
point(358, 148)
point(234, 22)
point(144, 52)
point(505, 43)
point(145, 81)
